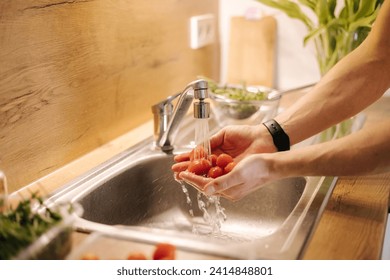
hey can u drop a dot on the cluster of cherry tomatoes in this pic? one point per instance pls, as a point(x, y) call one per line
point(211, 166)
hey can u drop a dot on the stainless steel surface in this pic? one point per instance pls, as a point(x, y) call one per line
point(166, 125)
point(162, 112)
point(136, 195)
point(201, 110)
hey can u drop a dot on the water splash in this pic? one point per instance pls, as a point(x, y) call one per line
point(213, 213)
point(188, 198)
point(202, 137)
point(214, 217)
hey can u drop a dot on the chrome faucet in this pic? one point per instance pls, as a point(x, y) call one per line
point(167, 118)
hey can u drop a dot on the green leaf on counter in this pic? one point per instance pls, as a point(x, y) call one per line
point(21, 226)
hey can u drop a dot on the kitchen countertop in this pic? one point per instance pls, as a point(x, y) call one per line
point(353, 222)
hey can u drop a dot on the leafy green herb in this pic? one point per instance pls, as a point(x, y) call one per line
point(239, 93)
point(22, 226)
point(237, 102)
point(335, 35)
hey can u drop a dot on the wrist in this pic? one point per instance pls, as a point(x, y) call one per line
point(279, 137)
point(267, 141)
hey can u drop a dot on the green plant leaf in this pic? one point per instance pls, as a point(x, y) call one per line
point(331, 7)
point(289, 8)
point(335, 35)
point(366, 7)
point(308, 3)
point(363, 22)
point(333, 26)
point(344, 13)
point(322, 12)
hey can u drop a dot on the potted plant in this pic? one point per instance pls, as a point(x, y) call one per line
point(336, 28)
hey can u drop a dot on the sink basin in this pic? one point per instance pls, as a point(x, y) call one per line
point(136, 195)
point(145, 194)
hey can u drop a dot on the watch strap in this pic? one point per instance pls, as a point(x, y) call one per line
point(280, 138)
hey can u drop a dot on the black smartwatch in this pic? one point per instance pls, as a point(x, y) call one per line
point(280, 138)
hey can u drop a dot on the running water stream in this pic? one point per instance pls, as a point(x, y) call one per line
point(213, 212)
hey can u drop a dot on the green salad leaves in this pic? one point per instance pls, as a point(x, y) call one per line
point(21, 226)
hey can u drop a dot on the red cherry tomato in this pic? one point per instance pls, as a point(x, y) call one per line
point(199, 166)
point(164, 251)
point(213, 159)
point(197, 153)
point(215, 172)
point(223, 160)
point(229, 167)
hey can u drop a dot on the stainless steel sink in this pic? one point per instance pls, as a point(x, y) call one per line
point(136, 195)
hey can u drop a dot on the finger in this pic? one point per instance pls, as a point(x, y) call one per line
point(180, 166)
point(176, 176)
point(182, 157)
point(235, 193)
point(194, 180)
point(225, 182)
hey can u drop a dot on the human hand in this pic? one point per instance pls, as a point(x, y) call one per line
point(249, 175)
point(237, 141)
point(241, 140)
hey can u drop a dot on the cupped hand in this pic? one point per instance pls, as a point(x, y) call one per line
point(235, 140)
point(250, 174)
point(242, 140)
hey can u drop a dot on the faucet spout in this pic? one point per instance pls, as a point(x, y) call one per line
point(195, 90)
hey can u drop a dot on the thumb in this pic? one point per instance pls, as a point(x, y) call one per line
point(248, 174)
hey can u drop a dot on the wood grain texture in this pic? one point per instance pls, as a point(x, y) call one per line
point(75, 74)
point(354, 221)
point(252, 46)
point(356, 217)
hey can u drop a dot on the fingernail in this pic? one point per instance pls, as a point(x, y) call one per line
point(209, 190)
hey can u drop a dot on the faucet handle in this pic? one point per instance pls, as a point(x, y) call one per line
point(166, 124)
point(158, 107)
point(162, 112)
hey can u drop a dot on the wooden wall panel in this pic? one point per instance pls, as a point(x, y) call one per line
point(76, 74)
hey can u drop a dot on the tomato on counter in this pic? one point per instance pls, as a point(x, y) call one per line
point(164, 251)
point(136, 256)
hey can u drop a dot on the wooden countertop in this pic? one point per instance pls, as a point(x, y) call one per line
point(352, 225)
point(354, 221)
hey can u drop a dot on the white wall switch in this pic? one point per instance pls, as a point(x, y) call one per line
point(202, 30)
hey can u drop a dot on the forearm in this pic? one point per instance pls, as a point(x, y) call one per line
point(353, 84)
point(348, 88)
point(364, 152)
